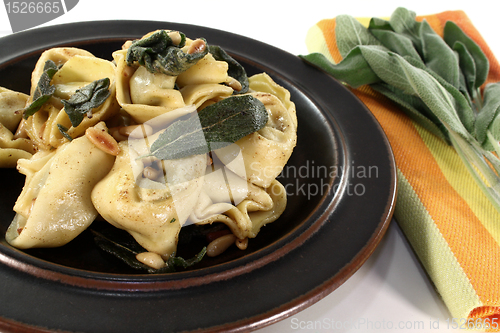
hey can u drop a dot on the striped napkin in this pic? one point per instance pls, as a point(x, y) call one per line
point(447, 219)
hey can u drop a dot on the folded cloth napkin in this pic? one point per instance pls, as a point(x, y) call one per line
point(451, 225)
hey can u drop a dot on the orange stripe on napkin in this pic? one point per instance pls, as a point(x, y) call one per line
point(328, 29)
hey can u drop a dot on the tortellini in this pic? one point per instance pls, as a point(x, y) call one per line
point(55, 205)
point(266, 151)
point(146, 95)
point(78, 68)
point(103, 166)
point(244, 207)
point(13, 145)
point(151, 210)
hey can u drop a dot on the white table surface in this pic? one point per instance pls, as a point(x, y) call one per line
point(390, 292)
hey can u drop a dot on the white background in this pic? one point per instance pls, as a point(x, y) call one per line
point(390, 289)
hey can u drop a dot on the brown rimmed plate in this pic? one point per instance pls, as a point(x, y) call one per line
point(341, 184)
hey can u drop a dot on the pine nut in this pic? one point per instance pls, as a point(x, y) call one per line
point(219, 245)
point(150, 173)
point(175, 36)
point(234, 84)
point(197, 46)
point(103, 140)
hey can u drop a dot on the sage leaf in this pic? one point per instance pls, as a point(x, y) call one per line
point(400, 44)
point(395, 70)
point(415, 109)
point(463, 105)
point(487, 118)
point(44, 90)
point(235, 69)
point(85, 99)
point(64, 132)
point(379, 24)
point(353, 69)
point(350, 33)
point(404, 22)
point(468, 69)
point(452, 34)
point(158, 54)
point(216, 126)
point(438, 56)
point(179, 262)
point(124, 247)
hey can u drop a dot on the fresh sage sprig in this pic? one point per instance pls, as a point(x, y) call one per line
point(44, 90)
point(435, 80)
point(159, 54)
point(215, 126)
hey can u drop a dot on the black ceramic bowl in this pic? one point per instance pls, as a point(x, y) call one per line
point(341, 182)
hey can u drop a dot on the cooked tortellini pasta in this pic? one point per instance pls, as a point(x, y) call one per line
point(152, 210)
point(127, 141)
point(55, 204)
point(77, 69)
point(244, 207)
point(266, 151)
point(13, 143)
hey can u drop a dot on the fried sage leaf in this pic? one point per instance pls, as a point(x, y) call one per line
point(85, 99)
point(214, 127)
point(64, 132)
point(235, 70)
point(122, 246)
point(159, 54)
point(44, 90)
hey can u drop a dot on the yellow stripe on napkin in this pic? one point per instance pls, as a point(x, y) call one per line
point(453, 228)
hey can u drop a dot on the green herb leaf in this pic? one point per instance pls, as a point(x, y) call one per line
point(395, 70)
point(159, 54)
point(44, 90)
point(85, 99)
point(400, 44)
point(488, 118)
point(124, 247)
point(468, 69)
point(179, 262)
point(415, 109)
point(404, 22)
point(438, 56)
point(64, 132)
point(214, 127)
point(235, 70)
point(379, 24)
point(353, 69)
point(350, 33)
point(453, 34)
